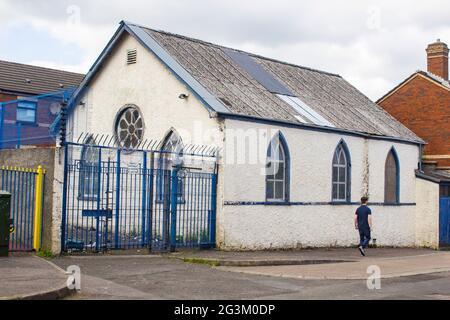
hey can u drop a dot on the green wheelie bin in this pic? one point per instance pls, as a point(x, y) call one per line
point(5, 222)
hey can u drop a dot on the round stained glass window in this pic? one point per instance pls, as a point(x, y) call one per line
point(129, 127)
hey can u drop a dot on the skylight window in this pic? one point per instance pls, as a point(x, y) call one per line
point(257, 72)
point(305, 111)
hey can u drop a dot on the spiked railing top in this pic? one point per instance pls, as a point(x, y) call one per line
point(152, 145)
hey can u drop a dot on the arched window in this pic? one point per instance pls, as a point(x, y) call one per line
point(341, 174)
point(88, 187)
point(392, 178)
point(277, 170)
point(171, 150)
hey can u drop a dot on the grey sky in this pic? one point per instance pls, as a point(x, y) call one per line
point(373, 44)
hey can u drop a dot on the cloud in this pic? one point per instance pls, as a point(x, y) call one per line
point(374, 45)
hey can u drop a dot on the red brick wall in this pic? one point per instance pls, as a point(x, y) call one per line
point(424, 107)
point(7, 97)
point(439, 66)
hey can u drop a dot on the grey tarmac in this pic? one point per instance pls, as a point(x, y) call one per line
point(163, 277)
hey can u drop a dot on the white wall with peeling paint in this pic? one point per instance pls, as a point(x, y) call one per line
point(316, 223)
point(427, 214)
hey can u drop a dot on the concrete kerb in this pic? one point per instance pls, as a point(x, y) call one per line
point(115, 256)
point(256, 263)
point(54, 294)
point(280, 275)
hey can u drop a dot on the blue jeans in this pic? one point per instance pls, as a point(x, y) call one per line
point(364, 234)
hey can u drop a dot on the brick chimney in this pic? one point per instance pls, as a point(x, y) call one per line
point(437, 59)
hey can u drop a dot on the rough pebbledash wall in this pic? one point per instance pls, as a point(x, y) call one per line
point(246, 222)
point(423, 106)
point(427, 214)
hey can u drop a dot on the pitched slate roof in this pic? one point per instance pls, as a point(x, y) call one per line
point(328, 94)
point(436, 78)
point(228, 88)
point(27, 79)
point(428, 75)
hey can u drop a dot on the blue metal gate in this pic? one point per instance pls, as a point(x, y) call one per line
point(129, 199)
point(444, 221)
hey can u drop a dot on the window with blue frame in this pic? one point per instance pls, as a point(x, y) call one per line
point(170, 157)
point(392, 178)
point(26, 111)
point(88, 187)
point(341, 174)
point(277, 170)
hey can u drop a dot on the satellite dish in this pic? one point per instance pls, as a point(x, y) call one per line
point(55, 108)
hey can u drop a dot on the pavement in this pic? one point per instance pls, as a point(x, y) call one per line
point(422, 275)
point(356, 270)
point(27, 277)
point(319, 264)
point(302, 274)
point(293, 257)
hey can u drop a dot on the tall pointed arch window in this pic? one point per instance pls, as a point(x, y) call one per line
point(88, 187)
point(341, 174)
point(392, 178)
point(277, 170)
point(171, 150)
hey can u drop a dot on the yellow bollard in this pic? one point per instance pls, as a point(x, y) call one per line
point(38, 209)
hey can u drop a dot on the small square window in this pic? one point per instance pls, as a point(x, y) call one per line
point(26, 112)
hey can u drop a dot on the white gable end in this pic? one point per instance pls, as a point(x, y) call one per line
point(148, 84)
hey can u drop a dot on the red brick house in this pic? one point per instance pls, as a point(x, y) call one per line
point(422, 103)
point(29, 99)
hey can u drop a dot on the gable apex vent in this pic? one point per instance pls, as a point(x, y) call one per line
point(131, 56)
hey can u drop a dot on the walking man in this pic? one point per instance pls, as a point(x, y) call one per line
point(363, 223)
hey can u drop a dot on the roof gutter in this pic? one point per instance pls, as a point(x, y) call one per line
point(422, 175)
point(313, 127)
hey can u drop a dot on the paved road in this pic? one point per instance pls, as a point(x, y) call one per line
point(151, 277)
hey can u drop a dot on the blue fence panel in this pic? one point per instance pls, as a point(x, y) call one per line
point(138, 201)
point(32, 120)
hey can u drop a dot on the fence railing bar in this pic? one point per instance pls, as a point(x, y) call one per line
point(79, 137)
point(101, 139)
point(110, 140)
point(142, 143)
